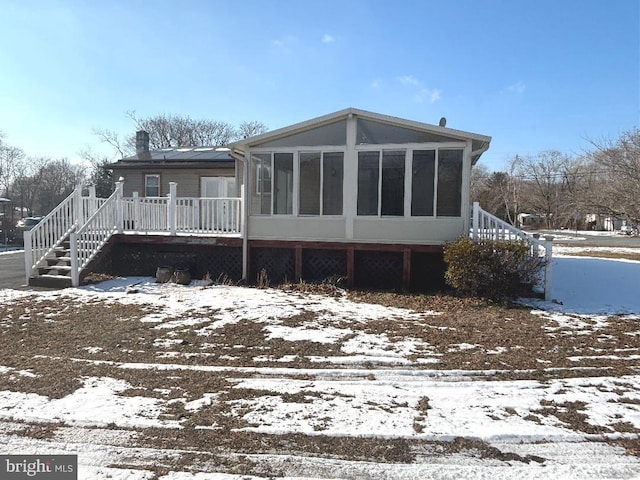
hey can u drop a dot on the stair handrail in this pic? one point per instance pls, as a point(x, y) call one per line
point(51, 231)
point(486, 226)
point(87, 240)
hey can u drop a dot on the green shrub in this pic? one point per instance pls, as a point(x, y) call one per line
point(497, 270)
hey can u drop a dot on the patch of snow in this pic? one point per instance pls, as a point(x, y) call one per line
point(96, 403)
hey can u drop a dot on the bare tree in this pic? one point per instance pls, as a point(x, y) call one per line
point(11, 159)
point(57, 179)
point(249, 129)
point(546, 190)
point(613, 177)
point(167, 131)
point(99, 176)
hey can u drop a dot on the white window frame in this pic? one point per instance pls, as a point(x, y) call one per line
point(147, 176)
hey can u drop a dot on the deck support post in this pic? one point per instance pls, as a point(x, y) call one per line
point(406, 268)
point(298, 263)
point(171, 211)
point(350, 267)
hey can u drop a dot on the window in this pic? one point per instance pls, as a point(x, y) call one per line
point(368, 175)
point(370, 132)
point(321, 173)
point(331, 134)
point(310, 183)
point(393, 183)
point(332, 176)
point(283, 183)
point(152, 185)
point(449, 183)
point(261, 194)
point(390, 184)
point(422, 181)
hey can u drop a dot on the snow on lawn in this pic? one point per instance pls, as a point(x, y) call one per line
point(520, 416)
point(592, 286)
point(435, 410)
point(96, 403)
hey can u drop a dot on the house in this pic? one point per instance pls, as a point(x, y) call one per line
point(354, 194)
point(198, 171)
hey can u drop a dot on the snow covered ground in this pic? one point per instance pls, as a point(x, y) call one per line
point(149, 381)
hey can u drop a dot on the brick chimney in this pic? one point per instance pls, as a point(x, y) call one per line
point(142, 141)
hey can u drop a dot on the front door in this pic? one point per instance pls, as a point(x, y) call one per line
point(218, 213)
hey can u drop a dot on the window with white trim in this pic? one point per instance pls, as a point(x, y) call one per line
point(152, 185)
point(321, 183)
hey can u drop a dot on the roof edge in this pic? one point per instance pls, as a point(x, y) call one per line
point(336, 116)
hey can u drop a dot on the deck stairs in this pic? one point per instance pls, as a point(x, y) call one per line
point(61, 248)
point(56, 270)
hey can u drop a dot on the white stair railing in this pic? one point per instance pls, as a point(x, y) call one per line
point(51, 231)
point(489, 227)
point(87, 240)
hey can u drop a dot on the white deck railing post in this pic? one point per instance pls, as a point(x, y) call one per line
point(548, 256)
point(119, 220)
point(77, 207)
point(476, 218)
point(28, 255)
point(171, 208)
point(93, 203)
point(73, 253)
point(136, 212)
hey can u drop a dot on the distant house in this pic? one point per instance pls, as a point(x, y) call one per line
point(602, 222)
point(354, 194)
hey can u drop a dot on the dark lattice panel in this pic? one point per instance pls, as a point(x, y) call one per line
point(131, 259)
point(378, 269)
point(279, 263)
point(427, 272)
point(318, 265)
point(218, 262)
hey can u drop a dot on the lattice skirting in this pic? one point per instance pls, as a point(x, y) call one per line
point(378, 269)
point(371, 269)
point(201, 260)
point(279, 264)
point(319, 265)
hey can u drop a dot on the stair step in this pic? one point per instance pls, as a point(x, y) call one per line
point(50, 281)
point(58, 261)
point(58, 270)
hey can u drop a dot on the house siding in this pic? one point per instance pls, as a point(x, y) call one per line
point(188, 179)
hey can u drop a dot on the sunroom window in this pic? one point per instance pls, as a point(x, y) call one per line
point(283, 183)
point(321, 178)
point(449, 183)
point(422, 182)
point(386, 190)
point(261, 176)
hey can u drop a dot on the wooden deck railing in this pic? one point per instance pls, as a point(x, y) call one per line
point(489, 227)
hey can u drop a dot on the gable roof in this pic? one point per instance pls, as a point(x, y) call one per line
point(480, 142)
point(178, 157)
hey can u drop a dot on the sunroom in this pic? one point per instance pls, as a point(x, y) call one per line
point(356, 176)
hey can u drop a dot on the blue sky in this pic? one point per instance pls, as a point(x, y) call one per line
point(535, 75)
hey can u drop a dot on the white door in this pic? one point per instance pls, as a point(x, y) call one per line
point(219, 214)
